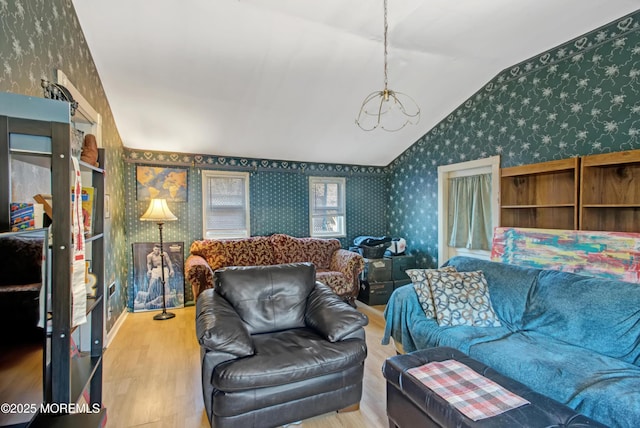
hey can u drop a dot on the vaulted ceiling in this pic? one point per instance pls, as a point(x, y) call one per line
point(284, 79)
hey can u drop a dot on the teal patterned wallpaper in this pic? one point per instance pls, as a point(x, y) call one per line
point(580, 98)
point(36, 38)
point(279, 201)
point(279, 198)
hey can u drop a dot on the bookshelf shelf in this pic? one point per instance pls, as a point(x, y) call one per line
point(44, 141)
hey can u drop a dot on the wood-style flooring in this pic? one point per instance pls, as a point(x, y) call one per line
point(152, 375)
point(20, 379)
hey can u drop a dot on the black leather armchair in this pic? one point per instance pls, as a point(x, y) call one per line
point(277, 347)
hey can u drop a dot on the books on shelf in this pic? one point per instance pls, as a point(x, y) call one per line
point(88, 208)
point(25, 216)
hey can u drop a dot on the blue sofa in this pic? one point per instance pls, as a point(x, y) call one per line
point(573, 338)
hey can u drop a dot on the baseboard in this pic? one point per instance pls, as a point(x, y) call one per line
point(114, 330)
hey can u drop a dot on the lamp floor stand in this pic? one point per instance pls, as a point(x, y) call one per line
point(164, 315)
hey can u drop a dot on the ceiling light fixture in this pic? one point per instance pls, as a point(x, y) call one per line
point(387, 109)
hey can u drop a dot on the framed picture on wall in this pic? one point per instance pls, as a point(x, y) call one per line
point(147, 275)
point(161, 182)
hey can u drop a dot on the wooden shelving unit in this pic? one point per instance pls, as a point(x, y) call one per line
point(610, 192)
point(542, 195)
point(596, 192)
point(39, 132)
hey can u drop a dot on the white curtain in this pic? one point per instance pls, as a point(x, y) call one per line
point(470, 212)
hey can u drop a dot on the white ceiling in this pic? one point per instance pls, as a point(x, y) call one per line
point(284, 79)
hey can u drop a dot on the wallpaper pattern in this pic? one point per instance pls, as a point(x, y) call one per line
point(580, 98)
point(279, 198)
point(36, 38)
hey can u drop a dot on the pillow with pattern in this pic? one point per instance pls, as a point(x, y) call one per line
point(423, 290)
point(462, 298)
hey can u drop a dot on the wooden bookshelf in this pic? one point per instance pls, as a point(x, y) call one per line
point(541, 195)
point(610, 192)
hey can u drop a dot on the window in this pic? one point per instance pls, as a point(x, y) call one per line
point(449, 177)
point(327, 206)
point(225, 204)
point(470, 219)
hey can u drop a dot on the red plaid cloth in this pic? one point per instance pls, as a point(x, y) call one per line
point(471, 393)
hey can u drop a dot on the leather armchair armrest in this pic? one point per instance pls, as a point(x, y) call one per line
point(199, 274)
point(331, 316)
point(219, 327)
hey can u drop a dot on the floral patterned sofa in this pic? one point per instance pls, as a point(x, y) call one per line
point(335, 267)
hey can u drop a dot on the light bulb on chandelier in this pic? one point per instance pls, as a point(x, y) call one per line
point(387, 109)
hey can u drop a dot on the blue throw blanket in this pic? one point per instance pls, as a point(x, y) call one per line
point(573, 338)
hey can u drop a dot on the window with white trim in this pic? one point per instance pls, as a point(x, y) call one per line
point(225, 204)
point(327, 210)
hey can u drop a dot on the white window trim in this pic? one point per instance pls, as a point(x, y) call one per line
point(474, 167)
point(342, 189)
point(231, 174)
point(86, 115)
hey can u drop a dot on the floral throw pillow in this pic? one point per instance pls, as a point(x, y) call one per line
point(423, 289)
point(462, 298)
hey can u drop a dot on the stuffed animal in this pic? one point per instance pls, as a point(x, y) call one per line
point(90, 150)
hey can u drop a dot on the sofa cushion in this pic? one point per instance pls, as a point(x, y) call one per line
point(287, 249)
point(219, 253)
point(406, 322)
point(423, 288)
point(462, 298)
point(253, 251)
point(212, 250)
point(20, 260)
point(287, 357)
point(319, 251)
point(598, 314)
point(509, 286)
point(331, 316)
point(603, 388)
point(268, 298)
point(218, 326)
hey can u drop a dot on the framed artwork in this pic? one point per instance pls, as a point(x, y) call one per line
point(610, 255)
point(147, 275)
point(161, 182)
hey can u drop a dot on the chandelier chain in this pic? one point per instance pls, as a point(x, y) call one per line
point(386, 28)
point(387, 110)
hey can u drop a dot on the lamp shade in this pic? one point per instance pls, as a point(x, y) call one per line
point(158, 211)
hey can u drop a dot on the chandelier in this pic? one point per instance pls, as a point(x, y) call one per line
point(387, 109)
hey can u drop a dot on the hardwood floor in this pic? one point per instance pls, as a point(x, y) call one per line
point(20, 378)
point(152, 375)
